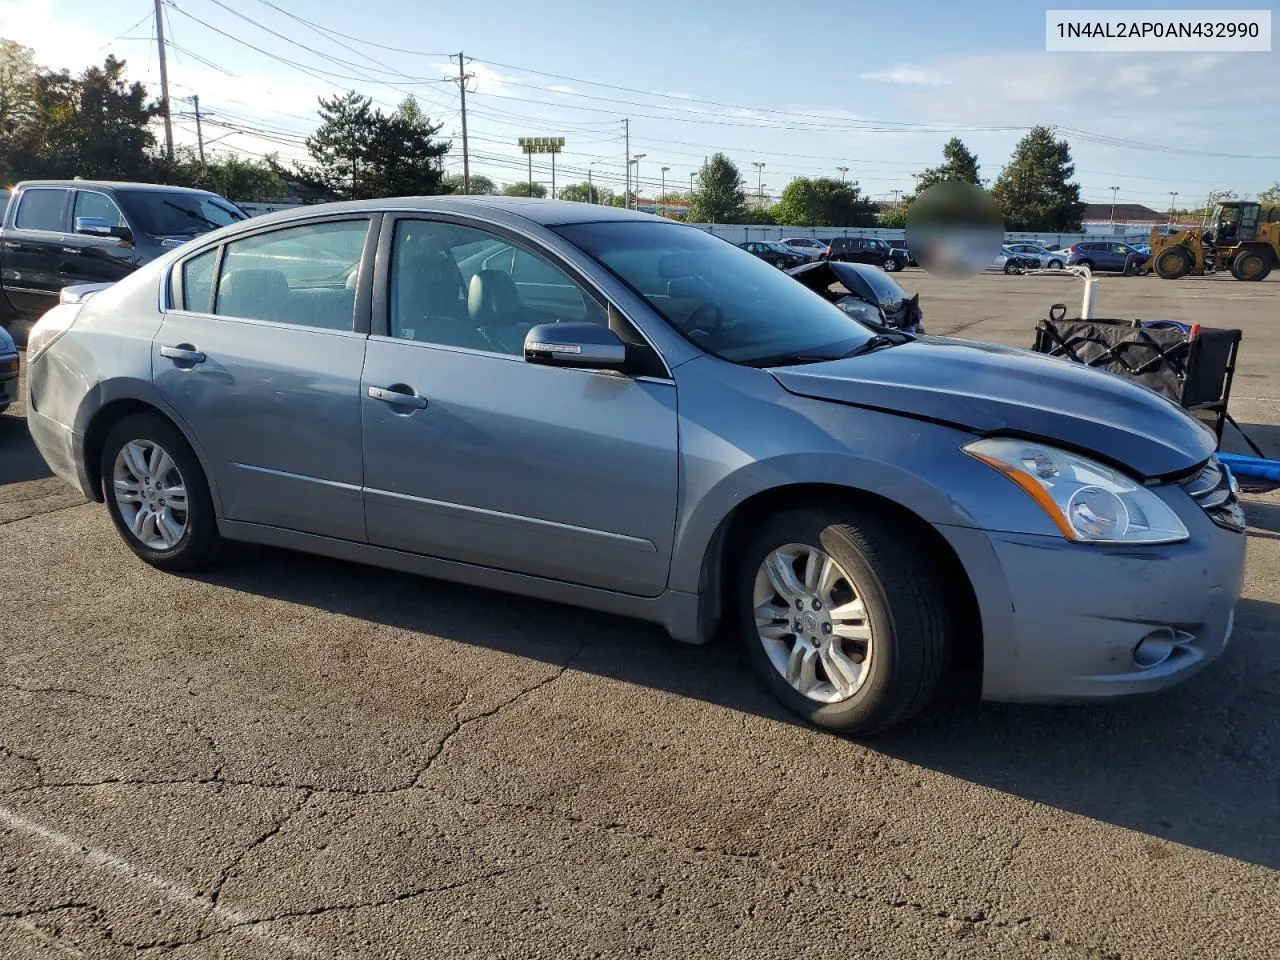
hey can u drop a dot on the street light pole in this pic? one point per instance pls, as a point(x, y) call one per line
point(1173, 199)
point(636, 160)
point(1113, 208)
point(662, 194)
point(843, 171)
point(591, 193)
point(759, 165)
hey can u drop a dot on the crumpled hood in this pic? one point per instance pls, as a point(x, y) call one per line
point(990, 390)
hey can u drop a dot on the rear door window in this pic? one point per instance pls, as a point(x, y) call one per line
point(41, 209)
point(304, 275)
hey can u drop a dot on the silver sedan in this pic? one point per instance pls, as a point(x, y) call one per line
point(608, 409)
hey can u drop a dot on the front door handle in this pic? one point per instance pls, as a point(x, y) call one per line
point(183, 354)
point(71, 251)
point(397, 397)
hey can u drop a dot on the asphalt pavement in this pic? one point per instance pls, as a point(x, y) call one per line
point(290, 756)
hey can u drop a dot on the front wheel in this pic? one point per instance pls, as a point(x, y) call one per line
point(1011, 267)
point(1055, 264)
point(157, 494)
point(843, 617)
point(1174, 263)
point(891, 266)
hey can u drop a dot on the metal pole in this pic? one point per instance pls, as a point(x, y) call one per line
point(626, 164)
point(164, 82)
point(195, 103)
point(531, 173)
point(843, 171)
point(590, 192)
point(466, 160)
point(662, 196)
point(1113, 208)
point(553, 173)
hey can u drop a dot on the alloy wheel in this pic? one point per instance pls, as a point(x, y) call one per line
point(150, 494)
point(812, 623)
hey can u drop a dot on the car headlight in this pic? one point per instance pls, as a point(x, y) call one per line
point(49, 328)
point(861, 310)
point(1086, 501)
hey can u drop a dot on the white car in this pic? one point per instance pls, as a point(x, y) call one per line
point(1049, 259)
point(806, 246)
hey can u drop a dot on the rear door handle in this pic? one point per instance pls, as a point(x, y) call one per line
point(182, 354)
point(397, 398)
point(71, 251)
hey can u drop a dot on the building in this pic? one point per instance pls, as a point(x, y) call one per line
point(1128, 218)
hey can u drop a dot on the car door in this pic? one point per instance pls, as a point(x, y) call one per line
point(471, 454)
point(260, 354)
point(99, 259)
point(32, 252)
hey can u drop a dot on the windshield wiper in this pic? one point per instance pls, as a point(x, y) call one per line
point(192, 214)
point(783, 359)
point(880, 340)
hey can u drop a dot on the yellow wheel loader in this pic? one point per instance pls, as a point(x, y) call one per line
point(1242, 236)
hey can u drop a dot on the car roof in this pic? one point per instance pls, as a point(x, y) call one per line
point(548, 213)
point(112, 185)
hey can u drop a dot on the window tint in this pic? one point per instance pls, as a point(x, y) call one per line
point(97, 205)
point(161, 213)
point(40, 210)
point(197, 282)
point(463, 287)
point(305, 275)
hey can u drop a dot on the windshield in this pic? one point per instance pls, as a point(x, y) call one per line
point(724, 300)
point(163, 214)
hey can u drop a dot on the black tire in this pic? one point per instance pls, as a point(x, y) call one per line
point(1085, 263)
point(891, 266)
point(199, 543)
point(905, 599)
point(1011, 267)
point(1252, 263)
point(1174, 263)
point(1055, 264)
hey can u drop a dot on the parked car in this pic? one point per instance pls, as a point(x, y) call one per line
point(774, 253)
point(1101, 255)
point(8, 370)
point(58, 233)
point(864, 292)
point(808, 247)
point(878, 253)
point(1048, 259)
point(604, 408)
point(1009, 262)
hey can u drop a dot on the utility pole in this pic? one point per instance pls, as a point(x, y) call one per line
point(195, 103)
point(636, 160)
point(164, 82)
point(626, 163)
point(843, 171)
point(662, 195)
point(895, 196)
point(1114, 190)
point(463, 77)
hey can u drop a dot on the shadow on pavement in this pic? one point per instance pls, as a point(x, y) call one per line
point(19, 459)
point(1196, 765)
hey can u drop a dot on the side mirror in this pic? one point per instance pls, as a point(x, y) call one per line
point(586, 346)
point(97, 227)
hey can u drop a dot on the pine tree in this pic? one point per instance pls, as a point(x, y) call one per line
point(719, 197)
point(1034, 191)
point(958, 164)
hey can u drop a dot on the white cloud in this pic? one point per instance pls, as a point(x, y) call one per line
point(906, 74)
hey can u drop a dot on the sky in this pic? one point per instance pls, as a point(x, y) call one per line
point(801, 88)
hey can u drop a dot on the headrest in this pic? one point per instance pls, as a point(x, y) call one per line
point(493, 300)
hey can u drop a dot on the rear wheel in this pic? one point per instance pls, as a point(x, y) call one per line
point(1174, 263)
point(842, 618)
point(1252, 263)
point(1085, 263)
point(157, 494)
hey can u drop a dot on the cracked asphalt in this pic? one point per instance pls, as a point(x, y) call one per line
point(289, 756)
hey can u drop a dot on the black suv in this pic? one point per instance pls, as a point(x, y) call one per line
point(58, 233)
point(870, 250)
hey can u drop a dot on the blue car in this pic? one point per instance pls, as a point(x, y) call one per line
point(1102, 255)
point(8, 370)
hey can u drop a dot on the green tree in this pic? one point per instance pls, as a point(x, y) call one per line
point(18, 72)
point(522, 189)
point(341, 142)
point(1271, 194)
point(95, 125)
point(1034, 191)
point(719, 197)
point(403, 159)
point(586, 193)
point(958, 164)
point(236, 178)
point(895, 217)
point(824, 202)
point(480, 186)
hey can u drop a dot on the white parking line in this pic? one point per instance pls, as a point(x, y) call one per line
point(235, 921)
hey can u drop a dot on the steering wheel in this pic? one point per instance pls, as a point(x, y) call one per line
point(706, 318)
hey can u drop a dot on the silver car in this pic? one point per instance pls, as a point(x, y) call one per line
point(1049, 259)
point(603, 408)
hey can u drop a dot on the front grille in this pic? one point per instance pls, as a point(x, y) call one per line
point(1214, 489)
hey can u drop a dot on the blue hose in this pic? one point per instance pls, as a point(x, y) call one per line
point(1254, 467)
